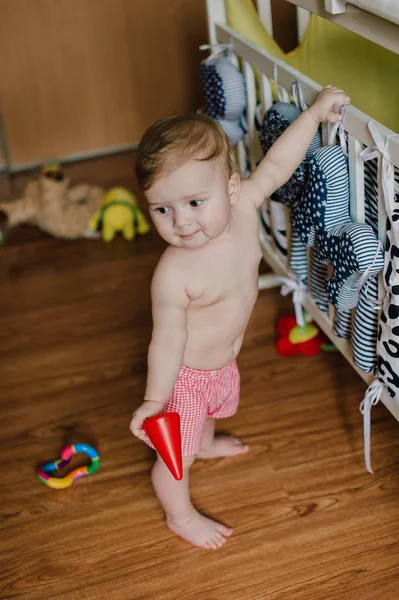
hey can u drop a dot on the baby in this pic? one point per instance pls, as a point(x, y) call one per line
point(205, 285)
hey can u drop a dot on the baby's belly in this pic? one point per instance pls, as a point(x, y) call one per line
point(215, 336)
point(207, 358)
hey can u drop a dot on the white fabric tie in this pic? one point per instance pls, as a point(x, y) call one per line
point(375, 304)
point(371, 398)
point(217, 49)
point(386, 175)
point(298, 290)
point(339, 127)
point(381, 147)
point(366, 277)
point(298, 96)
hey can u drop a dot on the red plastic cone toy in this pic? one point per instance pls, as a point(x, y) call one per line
point(164, 432)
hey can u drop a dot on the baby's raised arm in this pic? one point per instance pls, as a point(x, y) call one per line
point(169, 336)
point(290, 149)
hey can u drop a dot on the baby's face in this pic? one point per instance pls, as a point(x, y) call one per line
point(191, 205)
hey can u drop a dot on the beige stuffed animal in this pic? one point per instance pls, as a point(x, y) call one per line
point(54, 206)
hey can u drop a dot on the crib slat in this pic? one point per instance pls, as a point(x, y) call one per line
point(265, 14)
point(356, 178)
point(382, 219)
point(216, 14)
point(251, 137)
point(242, 157)
point(331, 313)
point(241, 148)
point(285, 96)
point(266, 93)
point(325, 133)
point(331, 307)
point(335, 7)
point(382, 213)
point(302, 19)
point(234, 59)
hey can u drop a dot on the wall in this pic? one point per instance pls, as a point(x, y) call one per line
point(80, 75)
point(77, 75)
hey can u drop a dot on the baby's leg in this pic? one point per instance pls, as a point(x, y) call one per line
point(181, 516)
point(220, 445)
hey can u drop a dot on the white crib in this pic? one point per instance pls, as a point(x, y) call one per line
point(368, 24)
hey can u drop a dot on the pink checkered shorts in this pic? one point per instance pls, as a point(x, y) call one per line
point(198, 395)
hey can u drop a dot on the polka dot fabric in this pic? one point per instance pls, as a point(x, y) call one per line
point(325, 202)
point(225, 95)
point(224, 88)
point(212, 84)
point(323, 222)
point(198, 395)
point(275, 122)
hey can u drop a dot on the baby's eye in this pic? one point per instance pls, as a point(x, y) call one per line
point(196, 203)
point(163, 210)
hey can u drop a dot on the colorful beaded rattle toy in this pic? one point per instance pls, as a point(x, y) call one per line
point(59, 483)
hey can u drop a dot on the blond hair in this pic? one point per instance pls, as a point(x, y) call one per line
point(177, 139)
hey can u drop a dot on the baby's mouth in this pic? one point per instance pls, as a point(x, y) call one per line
point(190, 235)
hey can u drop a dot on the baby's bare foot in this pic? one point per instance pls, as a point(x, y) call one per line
point(200, 531)
point(223, 445)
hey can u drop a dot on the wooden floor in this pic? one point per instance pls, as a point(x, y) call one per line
point(309, 522)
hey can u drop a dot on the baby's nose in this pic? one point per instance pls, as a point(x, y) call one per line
point(181, 219)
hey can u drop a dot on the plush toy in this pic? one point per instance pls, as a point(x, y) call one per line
point(53, 205)
point(119, 213)
point(307, 340)
point(225, 94)
point(275, 122)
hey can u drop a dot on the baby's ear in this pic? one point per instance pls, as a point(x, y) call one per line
point(233, 187)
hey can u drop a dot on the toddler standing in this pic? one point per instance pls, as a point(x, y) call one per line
point(205, 285)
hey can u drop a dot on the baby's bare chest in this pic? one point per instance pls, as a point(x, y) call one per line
point(228, 277)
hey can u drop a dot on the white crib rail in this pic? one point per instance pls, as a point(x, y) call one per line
point(358, 137)
point(371, 26)
point(355, 120)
